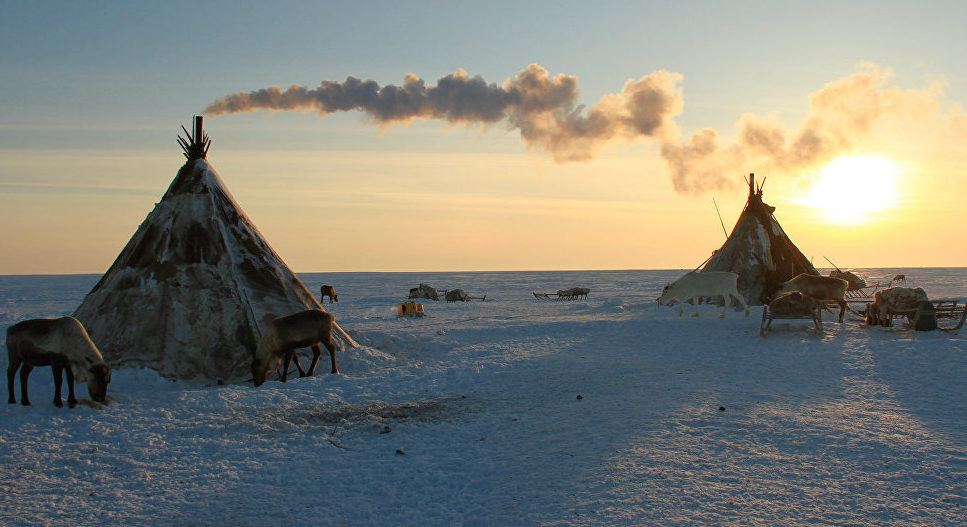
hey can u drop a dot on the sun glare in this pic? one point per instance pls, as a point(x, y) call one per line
point(850, 189)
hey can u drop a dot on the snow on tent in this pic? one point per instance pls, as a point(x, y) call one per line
point(187, 294)
point(759, 251)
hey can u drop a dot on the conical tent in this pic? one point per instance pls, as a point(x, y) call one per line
point(759, 251)
point(187, 294)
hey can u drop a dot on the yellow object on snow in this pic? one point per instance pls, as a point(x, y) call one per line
point(409, 309)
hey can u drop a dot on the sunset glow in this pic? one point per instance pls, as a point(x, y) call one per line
point(431, 144)
point(851, 189)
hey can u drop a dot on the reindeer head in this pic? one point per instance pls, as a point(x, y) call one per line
point(97, 383)
point(261, 368)
point(661, 298)
point(262, 358)
point(259, 371)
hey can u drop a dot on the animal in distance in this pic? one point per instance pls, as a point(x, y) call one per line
point(281, 336)
point(64, 345)
point(695, 285)
point(328, 291)
point(819, 288)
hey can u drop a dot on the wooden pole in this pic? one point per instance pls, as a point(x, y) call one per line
point(199, 120)
point(834, 265)
point(722, 223)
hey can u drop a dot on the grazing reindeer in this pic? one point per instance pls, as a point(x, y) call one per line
point(328, 290)
point(62, 344)
point(695, 285)
point(819, 288)
point(282, 335)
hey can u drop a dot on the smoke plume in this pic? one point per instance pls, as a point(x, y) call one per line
point(841, 116)
point(542, 107)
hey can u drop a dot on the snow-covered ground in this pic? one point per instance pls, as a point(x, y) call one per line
point(607, 411)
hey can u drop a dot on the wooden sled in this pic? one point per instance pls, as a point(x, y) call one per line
point(943, 309)
point(816, 315)
point(950, 309)
point(469, 298)
point(459, 295)
point(575, 293)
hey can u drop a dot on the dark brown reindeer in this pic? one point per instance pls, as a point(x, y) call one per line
point(281, 336)
point(64, 345)
point(825, 289)
point(328, 291)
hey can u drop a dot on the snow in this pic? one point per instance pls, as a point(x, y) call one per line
point(605, 411)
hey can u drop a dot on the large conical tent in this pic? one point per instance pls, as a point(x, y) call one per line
point(188, 293)
point(759, 251)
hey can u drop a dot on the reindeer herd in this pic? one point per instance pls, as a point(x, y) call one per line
point(695, 286)
point(64, 345)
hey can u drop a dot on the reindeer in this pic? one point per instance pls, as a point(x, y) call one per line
point(328, 290)
point(819, 288)
point(695, 285)
point(64, 345)
point(281, 336)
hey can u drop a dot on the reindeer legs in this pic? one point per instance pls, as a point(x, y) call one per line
point(286, 360)
point(58, 368)
point(293, 356)
point(298, 365)
point(332, 353)
point(316, 352)
point(58, 371)
point(11, 374)
point(71, 400)
point(24, 373)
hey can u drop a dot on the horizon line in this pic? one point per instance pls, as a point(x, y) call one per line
point(8, 275)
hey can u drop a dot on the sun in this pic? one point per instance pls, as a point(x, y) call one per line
point(851, 189)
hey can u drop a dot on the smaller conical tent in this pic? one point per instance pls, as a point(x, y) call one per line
point(187, 294)
point(759, 251)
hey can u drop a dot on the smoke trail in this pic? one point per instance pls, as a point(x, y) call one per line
point(841, 116)
point(541, 107)
point(545, 111)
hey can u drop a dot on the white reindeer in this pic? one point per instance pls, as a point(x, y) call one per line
point(64, 345)
point(281, 336)
point(695, 285)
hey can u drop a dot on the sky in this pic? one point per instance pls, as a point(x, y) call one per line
point(444, 136)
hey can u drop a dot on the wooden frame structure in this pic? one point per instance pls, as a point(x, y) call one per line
point(944, 309)
point(195, 145)
point(575, 293)
point(815, 314)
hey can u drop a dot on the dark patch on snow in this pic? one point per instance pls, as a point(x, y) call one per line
point(430, 410)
